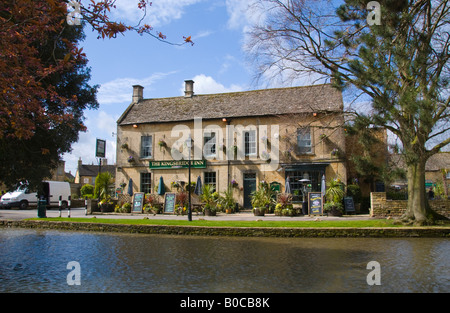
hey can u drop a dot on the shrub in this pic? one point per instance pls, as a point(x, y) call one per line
point(87, 190)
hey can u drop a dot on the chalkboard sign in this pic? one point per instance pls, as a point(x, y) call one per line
point(348, 204)
point(169, 202)
point(138, 202)
point(315, 205)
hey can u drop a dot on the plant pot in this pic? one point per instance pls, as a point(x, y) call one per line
point(209, 212)
point(258, 212)
point(229, 211)
point(335, 212)
point(106, 207)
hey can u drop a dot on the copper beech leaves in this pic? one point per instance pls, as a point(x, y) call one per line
point(27, 59)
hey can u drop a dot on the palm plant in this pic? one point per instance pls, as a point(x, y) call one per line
point(226, 199)
point(207, 196)
point(102, 183)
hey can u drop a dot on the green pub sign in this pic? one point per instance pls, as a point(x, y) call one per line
point(177, 164)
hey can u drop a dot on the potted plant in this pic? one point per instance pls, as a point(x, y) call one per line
point(284, 205)
point(227, 201)
point(162, 143)
point(151, 204)
point(208, 198)
point(130, 159)
point(334, 195)
point(354, 191)
point(124, 208)
point(261, 199)
point(335, 152)
point(102, 183)
point(265, 156)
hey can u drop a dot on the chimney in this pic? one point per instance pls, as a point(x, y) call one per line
point(80, 163)
point(138, 93)
point(189, 88)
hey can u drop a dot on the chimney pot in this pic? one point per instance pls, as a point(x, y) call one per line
point(189, 88)
point(138, 93)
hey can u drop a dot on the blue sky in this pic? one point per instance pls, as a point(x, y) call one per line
point(216, 62)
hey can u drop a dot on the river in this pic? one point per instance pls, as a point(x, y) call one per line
point(37, 261)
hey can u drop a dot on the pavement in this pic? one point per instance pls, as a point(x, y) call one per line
point(12, 214)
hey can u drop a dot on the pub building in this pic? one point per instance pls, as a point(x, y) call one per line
point(238, 138)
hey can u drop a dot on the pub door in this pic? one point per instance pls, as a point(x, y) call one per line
point(249, 187)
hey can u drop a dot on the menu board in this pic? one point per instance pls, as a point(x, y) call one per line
point(349, 204)
point(315, 204)
point(138, 202)
point(169, 202)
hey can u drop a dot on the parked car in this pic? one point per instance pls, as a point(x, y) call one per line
point(23, 197)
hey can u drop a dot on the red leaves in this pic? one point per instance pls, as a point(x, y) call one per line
point(188, 40)
point(25, 26)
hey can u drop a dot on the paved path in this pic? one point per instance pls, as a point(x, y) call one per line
point(9, 214)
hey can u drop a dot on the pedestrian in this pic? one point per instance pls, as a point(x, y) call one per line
point(431, 194)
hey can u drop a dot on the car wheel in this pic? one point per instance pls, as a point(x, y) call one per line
point(23, 205)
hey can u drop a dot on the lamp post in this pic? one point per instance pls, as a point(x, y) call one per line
point(189, 145)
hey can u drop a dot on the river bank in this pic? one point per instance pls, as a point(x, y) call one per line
point(307, 232)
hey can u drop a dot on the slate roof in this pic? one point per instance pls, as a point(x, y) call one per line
point(277, 101)
point(438, 162)
point(92, 170)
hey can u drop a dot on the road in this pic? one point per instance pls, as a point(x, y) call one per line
point(11, 214)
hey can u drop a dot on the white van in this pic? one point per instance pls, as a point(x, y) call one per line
point(22, 197)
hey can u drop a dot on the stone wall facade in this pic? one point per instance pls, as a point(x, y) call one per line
point(381, 207)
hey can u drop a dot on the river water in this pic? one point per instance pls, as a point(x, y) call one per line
point(37, 261)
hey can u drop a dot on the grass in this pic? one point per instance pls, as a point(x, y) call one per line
point(210, 223)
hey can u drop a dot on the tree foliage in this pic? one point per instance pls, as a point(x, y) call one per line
point(44, 79)
point(400, 66)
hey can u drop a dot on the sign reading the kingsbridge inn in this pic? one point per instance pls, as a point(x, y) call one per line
point(177, 164)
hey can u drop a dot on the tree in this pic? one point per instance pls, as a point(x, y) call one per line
point(44, 79)
point(400, 66)
point(44, 89)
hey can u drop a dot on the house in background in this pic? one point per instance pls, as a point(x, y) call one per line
point(239, 138)
point(59, 174)
point(86, 173)
point(437, 171)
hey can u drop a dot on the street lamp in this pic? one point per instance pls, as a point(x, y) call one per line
point(189, 145)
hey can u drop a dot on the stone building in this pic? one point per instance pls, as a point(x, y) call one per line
point(86, 173)
point(239, 138)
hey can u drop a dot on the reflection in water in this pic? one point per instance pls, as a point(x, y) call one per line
point(36, 260)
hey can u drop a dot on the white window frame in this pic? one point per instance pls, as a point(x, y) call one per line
point(304, 140)
point(149, 147)
point(250, 143)
point(210, 144)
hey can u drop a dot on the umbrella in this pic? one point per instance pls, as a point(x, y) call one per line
point(287, 186)
point(130, 187)
point(198, 186)
point(323, 185)
point(161, 189)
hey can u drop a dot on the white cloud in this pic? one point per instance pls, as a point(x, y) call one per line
point(99, 125)
point(242, 13)
point(120, 90)
point(207, 85)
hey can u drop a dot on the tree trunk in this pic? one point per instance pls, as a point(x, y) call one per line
point(418, 208)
